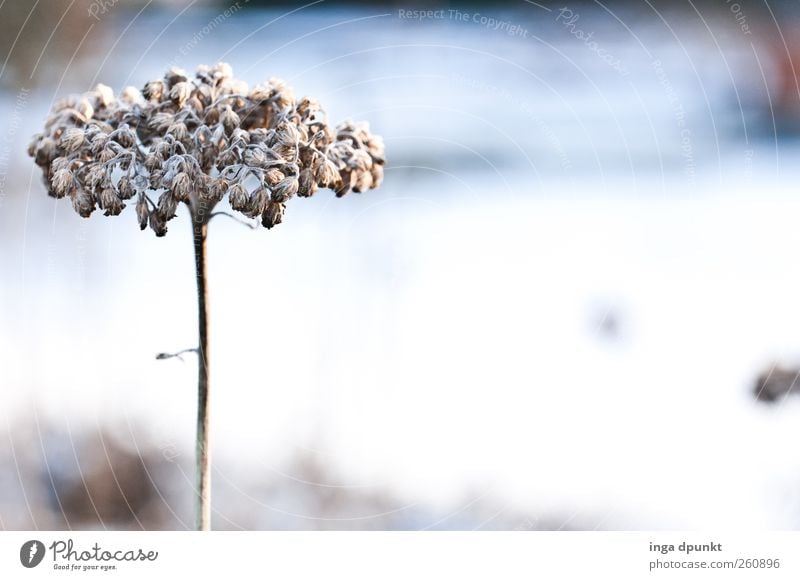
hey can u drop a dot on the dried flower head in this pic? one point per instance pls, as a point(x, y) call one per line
point(194, 140)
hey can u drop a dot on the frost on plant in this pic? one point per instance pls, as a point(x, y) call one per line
point(197, 140)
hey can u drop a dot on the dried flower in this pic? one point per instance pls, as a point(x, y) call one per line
point(182, 140)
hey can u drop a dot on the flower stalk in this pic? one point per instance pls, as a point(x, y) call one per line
point(203, 450)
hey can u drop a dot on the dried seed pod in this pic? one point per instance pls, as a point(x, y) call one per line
point(125, 188)
point(273, 176)
point(105, 95)
point(152, 162)
point(179, 131)
point(82, 202)
point(176, 75)
point(273, 214)
point(238, 197)
point(142, 211)
point(158, 224)
point(306, 186)
point(258, 202)
point(124, 136)
point(181, 186)
point(110, 202)
point(180, 93)
point(217, 189)
point(230, 120)
point(154, 90)
point(285, 189)
point(72, 139)
point(167, 206)
point(61, 182)
point(363, 181)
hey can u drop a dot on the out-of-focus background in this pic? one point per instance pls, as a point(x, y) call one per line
point(566, 308)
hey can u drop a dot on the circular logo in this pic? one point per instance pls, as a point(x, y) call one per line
point(31, 553)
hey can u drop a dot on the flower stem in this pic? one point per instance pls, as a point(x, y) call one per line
point(203, 509)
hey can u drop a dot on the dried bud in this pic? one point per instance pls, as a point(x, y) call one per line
point(124, 136)
point(72, 139)
point(62, 181)
point(164, 149)
point(176, 75)
point(82, 202)
point(158, 223)
point(273, 176)
point(179, 131)
point(154, 90)
point(108, 153)
point(152, 162)
point(110, 202)
point(180, 93)
point(344, 185)
point(131, 96)
point(229, 119)
point(124, 188)
point(273, 215)
point(105, 95)
point(328, 174)
point(363, 181)
point(259, 156)
point(142, 211)
point(306, 186)
point(258, 202)
point(217, 189)
point(181, 187)
point(85, 108)
point(285, 189)
point(238, 197)
point(167, 206)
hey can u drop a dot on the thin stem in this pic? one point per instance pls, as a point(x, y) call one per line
point(203, 514)
point(250, 225)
